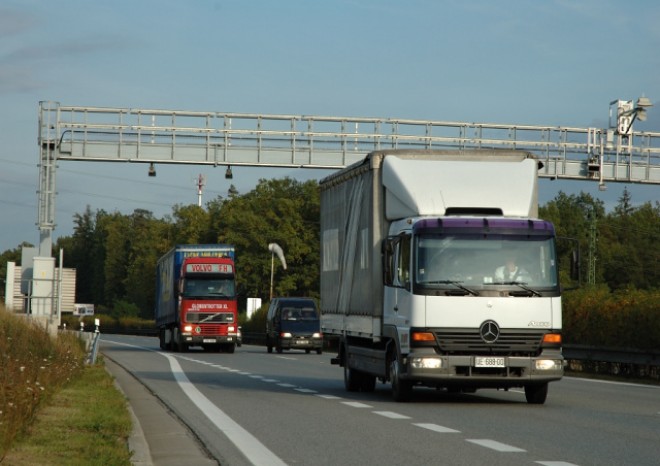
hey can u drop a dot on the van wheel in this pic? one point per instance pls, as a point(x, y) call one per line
point(319, 351)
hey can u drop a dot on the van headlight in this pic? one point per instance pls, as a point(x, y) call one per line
point(425, 363)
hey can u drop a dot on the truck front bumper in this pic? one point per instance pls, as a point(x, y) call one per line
point(198, 340)
point(483, 370)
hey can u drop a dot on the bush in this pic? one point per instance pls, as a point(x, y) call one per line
point(33, 366)
point(627, 318)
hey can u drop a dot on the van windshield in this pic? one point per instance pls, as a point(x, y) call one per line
point(299, 313)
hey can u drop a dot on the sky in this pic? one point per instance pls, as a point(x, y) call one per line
point(553, 62)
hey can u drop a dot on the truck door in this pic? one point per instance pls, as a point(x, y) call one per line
point(397, 298)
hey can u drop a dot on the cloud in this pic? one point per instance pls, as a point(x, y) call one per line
point(14, 22)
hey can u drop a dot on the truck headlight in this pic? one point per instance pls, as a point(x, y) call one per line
point(316, 335)
point(548, 364)
point(285, 335)
point(187, 328)
point(426, 363)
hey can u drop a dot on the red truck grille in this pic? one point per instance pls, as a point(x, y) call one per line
point(210, 329)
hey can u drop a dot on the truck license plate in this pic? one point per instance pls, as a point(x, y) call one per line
point(488, 362)
point(209, 340)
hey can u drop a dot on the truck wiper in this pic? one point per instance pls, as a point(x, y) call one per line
point(521, 285)
point(455, 283)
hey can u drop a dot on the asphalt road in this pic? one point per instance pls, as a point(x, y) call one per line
point(252, 407)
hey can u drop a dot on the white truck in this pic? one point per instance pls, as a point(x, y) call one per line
point(414, 277)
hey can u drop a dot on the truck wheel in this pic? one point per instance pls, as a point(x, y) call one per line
point(352, 379)
point(401, 389)
point(536, 394)
point(230, 348)
point(368, 383)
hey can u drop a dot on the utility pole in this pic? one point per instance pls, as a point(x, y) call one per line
point(201, 180)
point(593, 238)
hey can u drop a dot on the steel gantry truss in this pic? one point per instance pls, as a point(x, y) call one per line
point(244, 139)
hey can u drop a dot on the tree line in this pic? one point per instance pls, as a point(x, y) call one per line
point(115, 254)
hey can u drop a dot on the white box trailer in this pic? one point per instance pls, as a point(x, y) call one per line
point(411, 241)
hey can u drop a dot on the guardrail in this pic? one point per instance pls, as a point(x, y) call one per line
point(623, 362)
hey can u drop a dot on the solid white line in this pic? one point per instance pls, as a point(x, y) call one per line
point(614, 382)
point(252, 448)
point(492, 444)
point(555, 463)
point(437, 428)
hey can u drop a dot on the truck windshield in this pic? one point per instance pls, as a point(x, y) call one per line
point(486, 262)
point(209, 288)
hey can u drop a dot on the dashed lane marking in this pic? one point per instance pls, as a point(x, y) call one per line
point(437, 428)
point(494, 445)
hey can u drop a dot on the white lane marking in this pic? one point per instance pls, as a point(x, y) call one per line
point(329, 397)
point(555, 463)
point(492, 444)
point(248, 444)
point(270, 380)
point(256, 376)
point(437, 428)
point(286, 385)
point(305, 390)
point(614, 382)
point(356, 404)
point(391, 415)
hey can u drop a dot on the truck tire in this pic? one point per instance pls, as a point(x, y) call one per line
point(161, 339)
point(536, 394)
point(368, 383)
point(352, 379)
point(230, 348)
point(401, 389)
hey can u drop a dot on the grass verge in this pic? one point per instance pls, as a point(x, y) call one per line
point(85, 423)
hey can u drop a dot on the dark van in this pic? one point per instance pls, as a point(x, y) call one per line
point(293, 323)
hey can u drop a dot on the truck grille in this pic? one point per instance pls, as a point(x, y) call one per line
point(509, 342)
point(211, 329)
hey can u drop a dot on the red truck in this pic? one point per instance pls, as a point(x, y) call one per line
point(196, 298)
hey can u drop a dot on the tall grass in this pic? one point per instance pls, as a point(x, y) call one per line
point(33, 366)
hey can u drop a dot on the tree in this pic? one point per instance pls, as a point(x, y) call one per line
point(572, 216)
point(281, 211)
point(631, 235)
